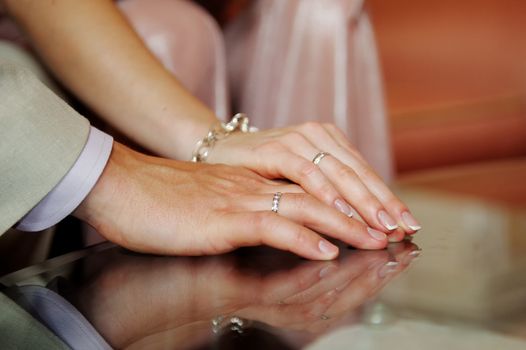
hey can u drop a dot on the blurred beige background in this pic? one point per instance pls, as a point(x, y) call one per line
point(455, 79)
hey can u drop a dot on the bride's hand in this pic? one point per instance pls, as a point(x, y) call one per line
point(341, 179)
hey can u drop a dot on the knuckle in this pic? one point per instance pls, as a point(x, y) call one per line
point(270, 147)
point(228, 185)
point(301, 202)
point(299, 238)
point(371, 202)
point(350, 147)
point(395, 204)
point(312, 127)
point(368, 172)
point(294, 137)
point(307, 169)
point(295, 189)
point(346, 173)
point(326, 193)
point(367, 200)
point(260, 221)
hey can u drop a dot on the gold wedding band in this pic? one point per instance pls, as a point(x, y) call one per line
point(275, 201)
point(317, 159)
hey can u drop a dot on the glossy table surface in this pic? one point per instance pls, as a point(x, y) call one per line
point(459, 284)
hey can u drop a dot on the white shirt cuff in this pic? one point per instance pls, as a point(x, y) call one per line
point(67, 195)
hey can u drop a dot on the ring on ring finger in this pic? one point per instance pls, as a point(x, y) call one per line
point(275, 202)
point(318, 157)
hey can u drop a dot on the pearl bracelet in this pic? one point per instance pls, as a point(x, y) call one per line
point(202, 149)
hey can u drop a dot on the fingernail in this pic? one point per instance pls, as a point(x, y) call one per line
point(327, 270)
point(328, 250)
point(393, 239)
point(343, 207)
point(387, 269)
point(386, 220)
point(380, 236)
point(410, 221)
point(411, 256)
point(415, 253)
point(330, 294)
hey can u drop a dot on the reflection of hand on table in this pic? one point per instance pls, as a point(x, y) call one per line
point(355, 278)
point(135, 297)
point(149, 301)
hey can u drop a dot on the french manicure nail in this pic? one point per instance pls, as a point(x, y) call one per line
point(410, 221)
point(328, 250)
point(386, 220)
point(415, 253)
point(380, 236)
point(343, 207)
point(327, 270)
point(387, 269)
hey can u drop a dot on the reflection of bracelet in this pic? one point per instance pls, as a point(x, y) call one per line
point(218, 132)
point(221, 324)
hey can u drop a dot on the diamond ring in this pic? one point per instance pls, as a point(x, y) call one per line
point(275, 201)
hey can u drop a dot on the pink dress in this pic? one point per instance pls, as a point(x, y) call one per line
point(295, 60)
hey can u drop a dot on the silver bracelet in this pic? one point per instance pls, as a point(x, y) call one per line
point(202, 149)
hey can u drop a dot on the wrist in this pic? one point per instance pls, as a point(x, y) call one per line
point(96, 208)
point(178, 136)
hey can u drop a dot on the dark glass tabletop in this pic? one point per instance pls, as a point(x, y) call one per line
point(460, 283)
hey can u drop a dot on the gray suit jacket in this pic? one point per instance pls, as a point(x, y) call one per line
point(40, 139)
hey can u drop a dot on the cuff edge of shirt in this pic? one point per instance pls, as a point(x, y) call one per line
point(79, 180)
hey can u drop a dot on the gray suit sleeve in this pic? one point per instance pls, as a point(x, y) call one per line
point(41, 137)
